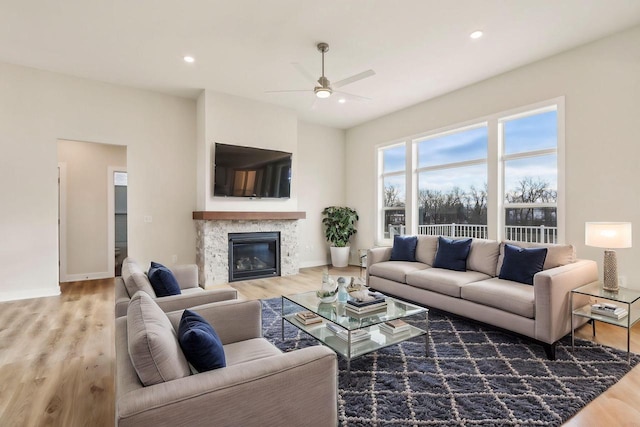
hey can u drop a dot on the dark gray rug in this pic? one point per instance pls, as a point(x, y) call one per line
point(473, 376)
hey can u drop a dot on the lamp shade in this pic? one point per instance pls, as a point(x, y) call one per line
point(613, 235)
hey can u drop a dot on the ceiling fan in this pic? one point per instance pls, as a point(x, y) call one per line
point(324, 88)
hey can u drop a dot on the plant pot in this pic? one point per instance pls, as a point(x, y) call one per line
point(340, 256)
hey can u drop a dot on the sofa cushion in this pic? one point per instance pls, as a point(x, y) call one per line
point(557, 255)
point(200, 342)
point(483, 256)
point(521, 264)
point(513, 297)
point(452, 254)
point(442, 281)
point(426, 249)
point(395, 270)
point(248, 350)
point(134, 278)
point(162, 280)
point(404, 248)
point(153, 345)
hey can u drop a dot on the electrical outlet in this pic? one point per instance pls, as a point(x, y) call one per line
point(174, 258)
point(148, 218)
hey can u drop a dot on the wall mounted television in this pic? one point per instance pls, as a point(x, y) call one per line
point(251, 172)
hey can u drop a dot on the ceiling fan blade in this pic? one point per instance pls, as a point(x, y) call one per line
point(352, 96)
point(307, 75)
point(284, 91)
point(354, 78)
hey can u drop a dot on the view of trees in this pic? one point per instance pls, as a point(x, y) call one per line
point(470, 206)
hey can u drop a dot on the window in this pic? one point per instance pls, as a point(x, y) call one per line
point(392, 191)
point(530, 164)
point(452, 183)
point(497, 177)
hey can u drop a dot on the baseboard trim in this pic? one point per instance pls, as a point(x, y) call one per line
point(31, 293)
point(322, 263)
point(317, 263)
point(85, 276)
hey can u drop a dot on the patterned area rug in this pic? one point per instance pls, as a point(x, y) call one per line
point(473, 376)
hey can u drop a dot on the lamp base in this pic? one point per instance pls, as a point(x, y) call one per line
point(610, 271)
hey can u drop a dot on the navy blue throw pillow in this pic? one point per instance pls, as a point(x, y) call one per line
point(200, 342)
point(452, 254)
point(163, 281)
point(404, 248)
point(521, 264)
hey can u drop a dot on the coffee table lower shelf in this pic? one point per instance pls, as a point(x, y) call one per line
point(374, 342)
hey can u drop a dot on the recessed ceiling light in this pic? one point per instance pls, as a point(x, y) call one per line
point(342, 100)
point(189, 59)
point(476, 34)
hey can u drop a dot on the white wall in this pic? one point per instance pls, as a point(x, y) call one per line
point(601, 83)
point(37, 109)
point(234, 120)
point(321, 180)
point(317, 162)
point(86, 240)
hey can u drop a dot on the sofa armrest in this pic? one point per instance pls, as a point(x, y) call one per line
point(233, 321)
point(121, 297)
point(380, 254)
point(294, 388)
point(552, 300)
point(192, 299)
point(376, 255)
point(186, 275)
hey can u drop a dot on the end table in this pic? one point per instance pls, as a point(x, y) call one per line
point(628, 298)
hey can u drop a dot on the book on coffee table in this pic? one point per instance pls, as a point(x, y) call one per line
point(373, 299)
point(308, 317)
point(356, 336)
point(394, 326)
point(367, 308)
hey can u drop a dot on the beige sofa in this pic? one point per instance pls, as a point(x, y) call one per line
point(134, 279)
point(260, 385)
point(540, 311)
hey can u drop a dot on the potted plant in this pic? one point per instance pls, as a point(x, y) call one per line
point(339, 223)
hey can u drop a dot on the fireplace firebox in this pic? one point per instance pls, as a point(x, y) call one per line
point(254, 255)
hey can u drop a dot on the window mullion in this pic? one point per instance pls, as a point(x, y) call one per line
point(495, 219)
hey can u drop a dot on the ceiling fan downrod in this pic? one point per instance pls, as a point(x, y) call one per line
point(323, 48)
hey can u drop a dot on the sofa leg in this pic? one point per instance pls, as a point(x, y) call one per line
point(550, 350)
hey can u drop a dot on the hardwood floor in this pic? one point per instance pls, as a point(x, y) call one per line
point(57, 356)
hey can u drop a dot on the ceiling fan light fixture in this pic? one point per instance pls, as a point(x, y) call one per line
point(322, 92)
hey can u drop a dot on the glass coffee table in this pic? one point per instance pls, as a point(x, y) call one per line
point(336, 319)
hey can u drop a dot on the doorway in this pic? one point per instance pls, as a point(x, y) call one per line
point(120, 219)
point(87, 209)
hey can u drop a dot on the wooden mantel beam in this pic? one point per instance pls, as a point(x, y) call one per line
point(244, 216)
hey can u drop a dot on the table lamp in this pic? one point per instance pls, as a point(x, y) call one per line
point(608, 235)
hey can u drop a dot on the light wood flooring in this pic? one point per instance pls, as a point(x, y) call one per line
point(57, 356)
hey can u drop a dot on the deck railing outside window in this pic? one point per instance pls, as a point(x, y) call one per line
point(521, 233)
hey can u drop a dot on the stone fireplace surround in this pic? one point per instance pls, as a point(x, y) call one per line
point(212, 243)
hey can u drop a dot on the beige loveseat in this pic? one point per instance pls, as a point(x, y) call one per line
point(134, 279)
point(260, 386)
point(540, 311)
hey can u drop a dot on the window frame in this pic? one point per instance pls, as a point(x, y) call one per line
point(495, 163)
point(381, 175)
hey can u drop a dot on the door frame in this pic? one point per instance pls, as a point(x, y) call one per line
point(62, 222)
point(111, 218)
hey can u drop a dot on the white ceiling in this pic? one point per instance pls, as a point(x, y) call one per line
point(419, 49)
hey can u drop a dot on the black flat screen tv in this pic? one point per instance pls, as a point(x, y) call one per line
point(251, 172)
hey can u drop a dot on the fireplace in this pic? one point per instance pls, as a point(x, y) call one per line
point(254, 255)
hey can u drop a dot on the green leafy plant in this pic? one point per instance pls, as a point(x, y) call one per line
point(339, 223)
